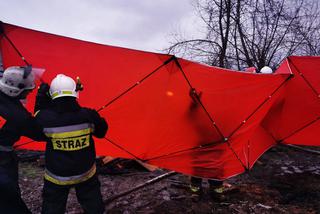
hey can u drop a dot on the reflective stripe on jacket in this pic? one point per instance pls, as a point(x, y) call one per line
point(70, 180)
point(70, 138)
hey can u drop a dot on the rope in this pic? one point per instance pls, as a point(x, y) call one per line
point(22, 144)
point(15, 48)
point(259, 106)
point(136, 84)
point(185, 150)
point(298, 130)
point(120, 147)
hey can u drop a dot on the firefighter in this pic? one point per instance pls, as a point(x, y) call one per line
point(263, 70)
point(216, 188)
point(266, 70)
point(70, 152)
point(15, 121)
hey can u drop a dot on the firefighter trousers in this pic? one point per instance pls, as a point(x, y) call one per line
point(88, 194)
point(10, 195)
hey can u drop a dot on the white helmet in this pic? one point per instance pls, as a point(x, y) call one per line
point(266, 70)
point(16, 79)
point(62, 86)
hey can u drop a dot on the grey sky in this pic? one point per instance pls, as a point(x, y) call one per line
point(137, 24)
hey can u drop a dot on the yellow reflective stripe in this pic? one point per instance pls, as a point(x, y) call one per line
point(76, 133)
point(219, 190)
point(194, 189)
point(70, 138)
point(72, 179)
point(71, 144)
point(61, 92)
point(37, 112)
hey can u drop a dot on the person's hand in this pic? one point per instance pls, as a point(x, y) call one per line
point(43, 89)
point(79, 86)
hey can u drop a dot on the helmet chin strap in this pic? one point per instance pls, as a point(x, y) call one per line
point(26, 71)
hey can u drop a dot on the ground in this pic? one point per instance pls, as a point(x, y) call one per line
point(282, 181)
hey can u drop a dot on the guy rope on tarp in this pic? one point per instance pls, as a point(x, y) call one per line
point(12, 44)
point(137, 83)
point(188, 149)
point(22, 144)
point(314, 91)
point(298, 130)
point(259, 106)
point(120, 147)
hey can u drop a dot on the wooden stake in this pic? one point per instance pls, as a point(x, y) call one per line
point(151, 181)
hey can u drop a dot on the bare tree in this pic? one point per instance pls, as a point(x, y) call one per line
point(245, 33)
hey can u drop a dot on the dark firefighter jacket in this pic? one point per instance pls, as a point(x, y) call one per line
point(16, 121)
point(70, 152)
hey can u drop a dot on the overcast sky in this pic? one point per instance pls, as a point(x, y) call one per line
point(138, 24)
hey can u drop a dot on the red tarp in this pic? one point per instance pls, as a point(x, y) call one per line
point(152, 117)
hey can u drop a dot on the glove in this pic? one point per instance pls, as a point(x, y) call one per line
point(43, 99)
point(79, 86)
point(43, 90)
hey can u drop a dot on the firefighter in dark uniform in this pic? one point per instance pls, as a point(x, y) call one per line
point(216, 187)
point(70, 152)
point(15, 121)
